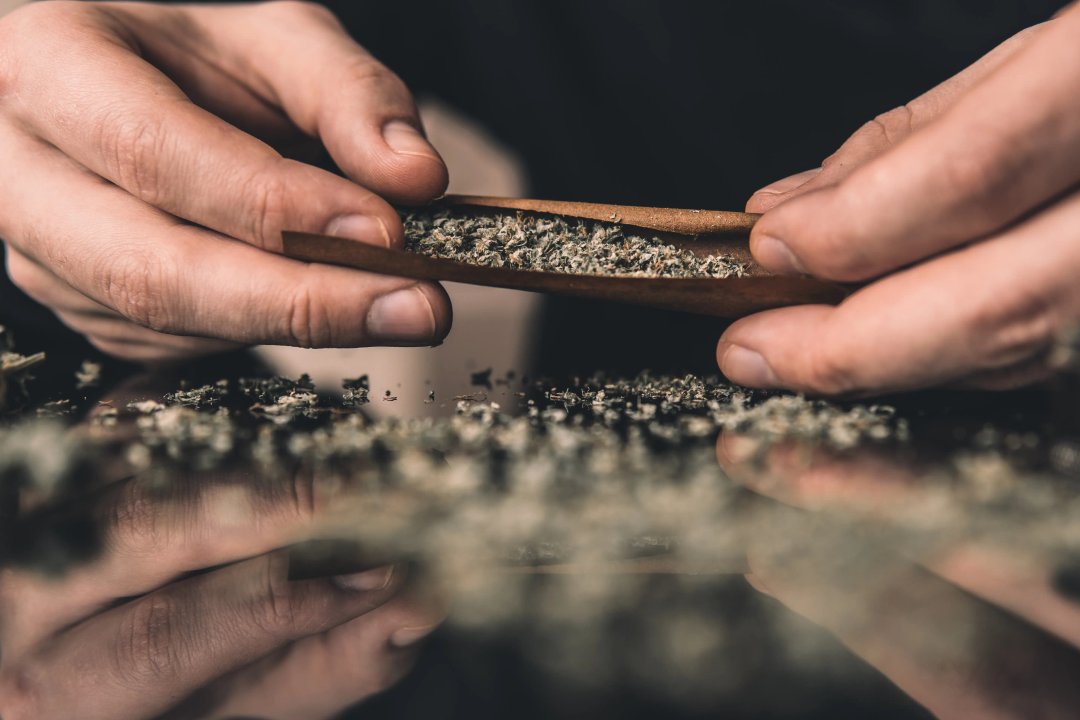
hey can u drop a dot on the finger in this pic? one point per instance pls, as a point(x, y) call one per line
point(887, 488)
point(299, 55)
point(807, 475)
point(902, 620)
point(183, 280)
point(1020, 581)
point(888, 129)
point(142, 657)
point(117, 115)
point(321, 676)
point(150, 538)
point(953, 181)
point(992, 306)
point(104, 328)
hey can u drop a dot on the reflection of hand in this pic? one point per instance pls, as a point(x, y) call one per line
point(960, 208)
point(136, 633)
point(142, 142)
point(933, 626)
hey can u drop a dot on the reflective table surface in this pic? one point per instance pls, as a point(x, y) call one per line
point(209, 542)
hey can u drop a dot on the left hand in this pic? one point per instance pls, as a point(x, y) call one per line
point(921, 604)
point(961, 210)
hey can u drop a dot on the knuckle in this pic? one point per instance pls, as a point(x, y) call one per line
point(874, 137)
point(21, 693)
point(136, 525)
point(834, 160)
point(276, 611)
point(268, 192)
point(892, 126)
point(148, 644)
point(983, 174)
point(365, 71)
point(136, 285)
point(292, 9)
point(29, 32)
point(301, 504)
point(830, 373)
point(1016, 326)
point(308, 319)
point(132, 148)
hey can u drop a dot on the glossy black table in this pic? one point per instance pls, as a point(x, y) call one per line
point(662, 547)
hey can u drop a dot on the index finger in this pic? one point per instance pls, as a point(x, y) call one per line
point(1008, 145)
point(119, 116)
point(990, 308)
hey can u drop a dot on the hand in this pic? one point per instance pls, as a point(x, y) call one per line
point(144, 187)
point(189, 610)
point(920, 603)
point(960, 211)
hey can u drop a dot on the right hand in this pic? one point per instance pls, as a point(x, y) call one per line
point(143, 188)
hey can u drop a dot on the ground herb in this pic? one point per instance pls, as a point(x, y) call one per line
point(206, 396)
point(522, 241)
point(13, 372)
point(269, 390)
point(481, 378)
point(357, 391)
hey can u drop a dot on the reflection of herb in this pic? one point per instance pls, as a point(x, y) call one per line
point(88, 375)
point(552, 244)
point(56, 409)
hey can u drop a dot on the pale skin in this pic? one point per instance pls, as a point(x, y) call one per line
point(189, 609)
point(898, 605)
point(139, 181)
point(147, 176)
point(960, 211)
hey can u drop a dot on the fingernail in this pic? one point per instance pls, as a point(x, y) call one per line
point(746, 367)
point(404, 139)
point(365, 228)
point(366, 581)
point(402, 316)
point(406, 636)
point(776, 256)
